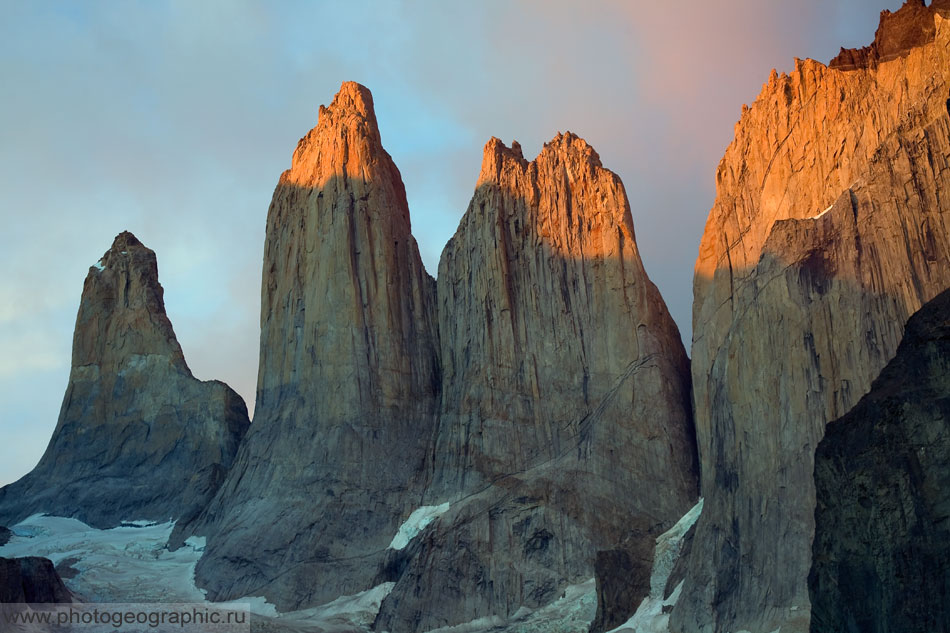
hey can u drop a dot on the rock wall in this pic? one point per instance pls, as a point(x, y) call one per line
point(138, 437)
point(881, 553)
point(829, 229)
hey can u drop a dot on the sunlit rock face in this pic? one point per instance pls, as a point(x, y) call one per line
point(882, 474)
point(565, 420)
point(348, 378)
point(830, 227)
point(138, 436)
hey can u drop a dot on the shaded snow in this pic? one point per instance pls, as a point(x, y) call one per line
point(99, 266)
point(417, 521)
point(650, 617)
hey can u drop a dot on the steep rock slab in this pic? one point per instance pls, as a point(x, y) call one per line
point(830, 227)
point(138, 436)
point(347, 383)
point(565, 414)
point(881, 555)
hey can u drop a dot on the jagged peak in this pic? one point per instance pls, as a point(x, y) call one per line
point(897, 33)
point(124, 246)
point(351, 109)
point(571, 144)
point(123, 287)
point(498, 156)
point(352, 98)
point(125, 240)
point(349, 121)
point(495, 148)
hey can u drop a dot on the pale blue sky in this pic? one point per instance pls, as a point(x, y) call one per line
point(175, 119)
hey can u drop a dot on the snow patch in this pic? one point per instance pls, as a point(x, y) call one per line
point(650, 616)
point(99, 266)
point(815, 217)
point(196, 543)
point(417, 521)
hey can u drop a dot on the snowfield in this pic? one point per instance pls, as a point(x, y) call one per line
point(131, 564)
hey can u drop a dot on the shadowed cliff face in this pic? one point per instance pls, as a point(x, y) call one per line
point(138, 436)
point(829, 229)
point(565, 417)
point(882, 548)
point(348, 378)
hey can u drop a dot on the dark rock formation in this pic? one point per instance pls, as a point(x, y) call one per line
point(565, 413)
point(348, 380)
point(829, 229)
point(5, 535)
point(881, 555)
point(898, 33)
point(138, 436)
point(31, 580)
point(623, 579)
